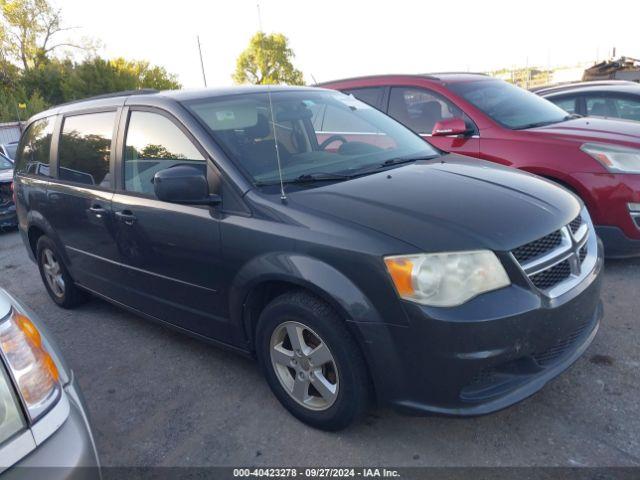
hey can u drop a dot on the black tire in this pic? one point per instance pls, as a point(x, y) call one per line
point(354, 392)
point(72, 296)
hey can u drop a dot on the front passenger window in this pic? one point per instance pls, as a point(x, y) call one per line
point(420, 109)
point(155, 143)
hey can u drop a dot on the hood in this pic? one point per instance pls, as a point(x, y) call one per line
point(453, 203)
point(589, 129)
point(6, 175)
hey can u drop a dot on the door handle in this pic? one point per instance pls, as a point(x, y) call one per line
point(97, 210)
point(126, 216)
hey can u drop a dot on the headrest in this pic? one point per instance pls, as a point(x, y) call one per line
point(431, 109)
point(260, 129)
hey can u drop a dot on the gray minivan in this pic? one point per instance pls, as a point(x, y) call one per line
point(301, 226)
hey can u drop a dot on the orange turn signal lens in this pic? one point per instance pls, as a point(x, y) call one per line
point(401, 270)
point(34, 371)
point(28, 328)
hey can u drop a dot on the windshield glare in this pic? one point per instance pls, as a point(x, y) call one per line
point(511, 106)
point(5, 163)
point(318, 133)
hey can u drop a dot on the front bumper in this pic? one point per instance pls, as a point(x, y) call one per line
point(617, 244)
point(8, 216)
point(608, 196)
point(485, 355)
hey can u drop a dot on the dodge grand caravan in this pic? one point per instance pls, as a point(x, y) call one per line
point(356, 262)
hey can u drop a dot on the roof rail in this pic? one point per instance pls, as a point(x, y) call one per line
point(429, 76)
point(437, 74)
point(580, 83)
point(124, 93)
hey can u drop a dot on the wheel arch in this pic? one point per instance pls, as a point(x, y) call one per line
point(268, 276)
point(37, 226)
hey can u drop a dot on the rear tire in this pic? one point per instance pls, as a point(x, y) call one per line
point(321, 377)
point(55, 276)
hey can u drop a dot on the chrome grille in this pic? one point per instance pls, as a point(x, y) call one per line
point(583, 253)
point(538, 247)
point(552, 276)
point(557, 260)
point(575, 224)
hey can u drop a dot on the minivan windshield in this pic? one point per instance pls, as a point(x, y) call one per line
point(5, 163)
point(319, 135)
point(510, 106)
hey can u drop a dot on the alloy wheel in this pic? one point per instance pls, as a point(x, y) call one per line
point(304, 365)
point(53, 272)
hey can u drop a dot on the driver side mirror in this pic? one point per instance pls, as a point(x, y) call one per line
point(183, 184)
point(450, 126)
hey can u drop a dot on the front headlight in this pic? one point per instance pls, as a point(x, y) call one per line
point(446, 279)
point(11, 420)
point(615, 158)
point(34, 372)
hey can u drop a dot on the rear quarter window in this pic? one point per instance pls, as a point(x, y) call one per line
point(33, 152)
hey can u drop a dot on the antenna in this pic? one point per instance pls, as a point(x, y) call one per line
point(204, 78)
point(315, 82)
point(283, 195)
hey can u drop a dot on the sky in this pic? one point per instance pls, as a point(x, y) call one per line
point(336, 39)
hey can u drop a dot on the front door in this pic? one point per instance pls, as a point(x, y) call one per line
point(168, 253)
point(420, 109)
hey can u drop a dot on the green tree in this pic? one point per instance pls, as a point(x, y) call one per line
point(96, 76)
point(267, 60)
point(30, 31)
point(32, 72)
point(9, 101)
point(48, 80)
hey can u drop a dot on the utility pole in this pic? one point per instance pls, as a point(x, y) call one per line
point(204, 78)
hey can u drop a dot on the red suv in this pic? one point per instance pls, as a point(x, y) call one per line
point(483, 117)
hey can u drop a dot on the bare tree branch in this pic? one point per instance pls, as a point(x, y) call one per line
point(72, 45)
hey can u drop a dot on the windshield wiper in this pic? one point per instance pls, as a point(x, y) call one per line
point(309, 178)
point(548, 122)
point(391, 162)
point(537, 124)
point(318, 177)
point(327, 176)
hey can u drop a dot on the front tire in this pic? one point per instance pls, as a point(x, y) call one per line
point(311, 362)
point(55, 276)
